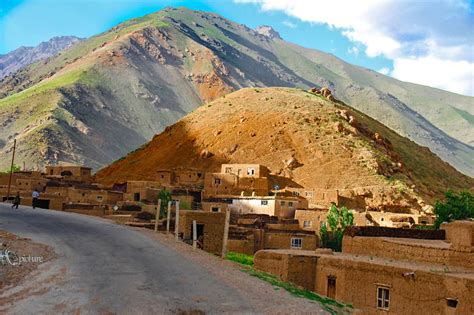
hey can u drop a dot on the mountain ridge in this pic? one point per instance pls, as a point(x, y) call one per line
point(170, 62)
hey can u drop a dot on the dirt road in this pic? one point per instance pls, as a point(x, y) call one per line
point(102, 267)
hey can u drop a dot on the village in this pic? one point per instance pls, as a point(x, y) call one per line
point(388, 260)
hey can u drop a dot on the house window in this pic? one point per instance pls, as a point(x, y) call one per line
point(216, 209)
point(264, 202)
point(217, 181)
point(383, 298)
point(99, 198)
point(306, 223)
point(296, 242)
point(228, 170)
point(250, 171)
point(162, 176)
point(295, 193)
point(453, 303)
point(290, 204)
point(309, 194)
point(282, 203)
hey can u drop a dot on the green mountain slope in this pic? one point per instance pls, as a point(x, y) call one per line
point(111, 93)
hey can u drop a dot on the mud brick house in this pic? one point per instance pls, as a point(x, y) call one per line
point(70, 172)
point(318, 198)
point(311, 219)
point(388, 271)
point(210, 229)
point(255, 232)
point(237, 179)
point(280, 206)
point(391, 219)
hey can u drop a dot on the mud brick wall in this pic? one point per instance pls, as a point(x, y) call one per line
point(297, 269)
point(423, 293)
point(282, 240)
point(380, 247)
point(213, 228)
point(394, 232)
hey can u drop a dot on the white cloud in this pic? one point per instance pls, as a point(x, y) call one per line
point(290, 24)
point(421, 34)
point(455, 76)
point(354, 50)
point(384, 70)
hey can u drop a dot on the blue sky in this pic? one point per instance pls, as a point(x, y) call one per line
point(376, 37)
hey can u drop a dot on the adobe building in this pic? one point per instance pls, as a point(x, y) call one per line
point(237, 180)
point(311, 219)
point(70, 172)
point(209, 229)
point(280, 206)
point(384, 270)
point(318, 198)
point(255, 232)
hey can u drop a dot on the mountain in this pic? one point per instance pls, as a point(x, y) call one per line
point(306, 141)
point(109, 94)
point(24, 56)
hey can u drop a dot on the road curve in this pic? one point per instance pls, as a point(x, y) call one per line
point(103, 267)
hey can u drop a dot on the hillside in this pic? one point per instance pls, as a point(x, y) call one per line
point(317, 143)
point(109, 94)
point(23, 56)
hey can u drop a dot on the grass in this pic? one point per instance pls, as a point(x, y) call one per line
point(328, 304)
point(243, 259)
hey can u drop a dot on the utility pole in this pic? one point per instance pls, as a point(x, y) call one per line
point(11, 170)
point(168, 217)
point(157, 216)
point(226, 233)
point(176, 222)
point(194, 235)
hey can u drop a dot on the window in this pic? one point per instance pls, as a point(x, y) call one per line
point(250, 171)
point(308, 193)
point(216, 209)
point(306, 223)
point(453, 303)
point(383, 298)
point(162, 176)
point(296, 242)
point(217, 181)
point(228, 170)
point(290, 204)
point(295, 193)
point(99, 198)
point(264, 202)
point(282, 203)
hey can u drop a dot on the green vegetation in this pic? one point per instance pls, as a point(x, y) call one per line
point(456, 207)
point(183, 204)
point(16, 168)
point(338, 220)
point(165, 196)
point(240, 258)
point(328, 304)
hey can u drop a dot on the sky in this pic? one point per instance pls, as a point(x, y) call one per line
point(430, 42)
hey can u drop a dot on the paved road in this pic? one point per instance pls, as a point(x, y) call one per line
point(104, 267)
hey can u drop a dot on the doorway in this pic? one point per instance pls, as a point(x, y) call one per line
point(199, 234)
point(331, 291)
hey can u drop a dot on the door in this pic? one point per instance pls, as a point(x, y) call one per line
point(331, 291)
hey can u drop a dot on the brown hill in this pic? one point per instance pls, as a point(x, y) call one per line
point(316, 143)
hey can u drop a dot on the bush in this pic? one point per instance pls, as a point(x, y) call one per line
point(165, 197)
point(240, 258)
point(338, 220)
point(456, 207)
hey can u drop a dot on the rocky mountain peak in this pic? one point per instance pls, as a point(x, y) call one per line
point(268, 31)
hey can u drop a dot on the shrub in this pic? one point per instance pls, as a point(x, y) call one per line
point(456, 207)
point(338, 220)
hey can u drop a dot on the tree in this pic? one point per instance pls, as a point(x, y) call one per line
point(165, 196)
point(338, 220)
point(16, 168)
point(456, 207)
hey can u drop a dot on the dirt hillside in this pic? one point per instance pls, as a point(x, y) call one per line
point(317, 143)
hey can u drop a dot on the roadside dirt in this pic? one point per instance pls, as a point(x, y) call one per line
point(30, 256)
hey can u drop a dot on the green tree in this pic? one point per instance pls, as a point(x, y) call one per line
point(165, 196)
point(456, 207)
point(338, 220)
point(16, 168)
